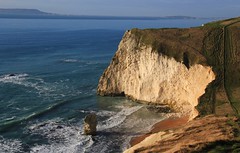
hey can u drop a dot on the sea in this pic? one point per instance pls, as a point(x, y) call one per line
point(49, 72)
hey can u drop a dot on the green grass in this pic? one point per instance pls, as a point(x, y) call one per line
point(226, 146)
point(221, 55)
point(221, 147)
point(167, 46)
point(232, 74)
point(213, 51)
point(214, 25)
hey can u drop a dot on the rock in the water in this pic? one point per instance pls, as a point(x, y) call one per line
point(90, 124)
point(11, 75)
point(159, 109)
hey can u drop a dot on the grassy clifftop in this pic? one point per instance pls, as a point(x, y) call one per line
point(216, 44)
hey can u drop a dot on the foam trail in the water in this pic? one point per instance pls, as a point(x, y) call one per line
point(55, 90)
point(27, 81)
point(102, 113)
point(13, 78)
point(70, 60)
point(106, 113)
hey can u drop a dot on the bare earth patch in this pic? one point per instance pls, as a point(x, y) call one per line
point(194, 136)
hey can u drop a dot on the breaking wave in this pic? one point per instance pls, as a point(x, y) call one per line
point(118, 118)
point(68, 138)
point(10, 146)
point(63, 138)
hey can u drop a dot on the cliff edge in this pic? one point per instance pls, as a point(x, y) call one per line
point(177, 67)
point(144, 73)
point(195, 71)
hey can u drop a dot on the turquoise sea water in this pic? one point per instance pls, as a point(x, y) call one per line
point(49, 70)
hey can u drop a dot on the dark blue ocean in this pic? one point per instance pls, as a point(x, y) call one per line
point(49, 71)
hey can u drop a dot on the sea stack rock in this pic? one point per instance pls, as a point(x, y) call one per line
point(90, 124)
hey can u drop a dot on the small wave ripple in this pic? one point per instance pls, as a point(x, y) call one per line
point(70, 60)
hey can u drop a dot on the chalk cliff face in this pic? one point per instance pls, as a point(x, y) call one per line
point(141, 72)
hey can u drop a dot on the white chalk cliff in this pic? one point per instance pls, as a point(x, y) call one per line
point(141, 73)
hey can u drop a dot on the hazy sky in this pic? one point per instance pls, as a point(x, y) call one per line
point(198, 8)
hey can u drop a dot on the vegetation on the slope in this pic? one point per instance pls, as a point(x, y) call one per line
point(232, 67)
point(216, 24)
point(213, 51)
point(215, 44)
point(221, 50)
point(222, 147)
point(175, 43)
point(226, 146)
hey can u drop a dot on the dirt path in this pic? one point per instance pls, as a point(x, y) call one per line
point(227, 52)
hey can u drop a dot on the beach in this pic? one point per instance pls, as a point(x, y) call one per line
point(170, 123)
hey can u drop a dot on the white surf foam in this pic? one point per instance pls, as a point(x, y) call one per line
point(16, 78)
point(118, 118)
point(114, 118)
point(10, 146)
point(106, 113)
point(70, 60)
point(66, 138)
point(56, 89)
point(25, 80)
point(62, 138)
